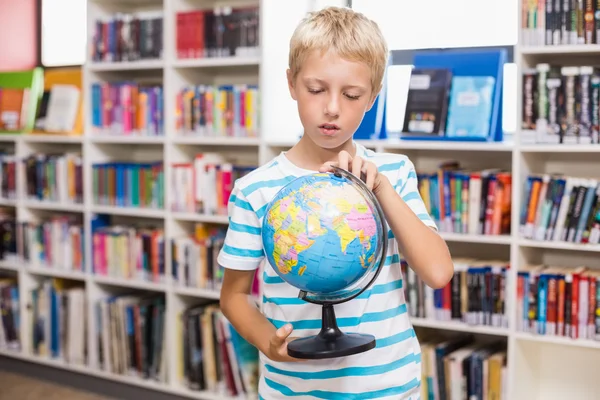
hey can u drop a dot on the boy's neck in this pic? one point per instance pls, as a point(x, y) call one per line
point(308, 155)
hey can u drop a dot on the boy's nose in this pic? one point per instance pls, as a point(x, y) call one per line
point(332, 107)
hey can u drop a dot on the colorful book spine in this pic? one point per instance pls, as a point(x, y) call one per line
point(468, 202)
point(559, 301)
point(560, 208)
point(463, 368)
point(475, 295)
point(194, 258)
point(54, 177)
point(229, 365)
point(205, 184)
point(218, 111)
point(126, 184)
point(57, 243)
point(217, 32)
point(130, 332)
point(127, 37)
point(561, 104)
point(127, 109)
point(57, 310)
point(559, 22)
point(126, 252)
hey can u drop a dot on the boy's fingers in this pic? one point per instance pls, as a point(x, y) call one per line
point(371, 172)
point(357, 165)
point(328, 166)
point(344, 160)
point(282, 333)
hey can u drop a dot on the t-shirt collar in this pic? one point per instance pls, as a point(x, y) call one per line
point(291, 168)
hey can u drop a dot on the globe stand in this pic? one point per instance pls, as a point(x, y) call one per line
point(330, 342)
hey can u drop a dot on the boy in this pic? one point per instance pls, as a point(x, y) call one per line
point(336, 66)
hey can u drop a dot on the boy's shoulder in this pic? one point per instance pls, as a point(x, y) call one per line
point(391, 164)
point(260, 176)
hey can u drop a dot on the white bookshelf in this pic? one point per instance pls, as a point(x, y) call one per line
point(532, 360)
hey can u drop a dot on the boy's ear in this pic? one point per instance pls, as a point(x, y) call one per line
point(291, 83)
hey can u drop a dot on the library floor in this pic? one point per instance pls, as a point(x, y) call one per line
point(13, 387)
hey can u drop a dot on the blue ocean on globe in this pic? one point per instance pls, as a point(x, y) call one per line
point(320, 233)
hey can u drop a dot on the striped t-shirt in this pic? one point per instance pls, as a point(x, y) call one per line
point(393, 368)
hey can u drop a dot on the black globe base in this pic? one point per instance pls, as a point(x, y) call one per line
point(330, 342)
point(317, 347)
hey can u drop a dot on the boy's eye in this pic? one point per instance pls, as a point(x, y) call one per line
point(352, 97)
point(315, 91)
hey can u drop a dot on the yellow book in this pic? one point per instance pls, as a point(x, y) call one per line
point(65, 76)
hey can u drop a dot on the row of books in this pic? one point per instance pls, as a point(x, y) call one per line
point(48, 177)
point(462, 368)
point(54, 177)
point(10, 315)
point(553, 23)
point(475, 295)
point(126, 37)
point(205, 184)
point(130, 336)
point(561, 208)
point(127, 252)
point(58, 308)
point(471, 202)
point(130, 332)
point(218, 110)
point(127, 109)
point(434, 108)
point(559, 301)
point(129, 184)
point(55, 242)
point(561, 104)
point(194, 258)
point(217, 32)
point(215, 356)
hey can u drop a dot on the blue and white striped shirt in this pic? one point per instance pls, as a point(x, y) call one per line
point(393, 368)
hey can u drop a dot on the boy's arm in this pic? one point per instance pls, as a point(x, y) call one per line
point(241, 310)
point(241, 256)
point(418, 241)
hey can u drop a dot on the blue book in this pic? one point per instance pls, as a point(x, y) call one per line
point(470, 109)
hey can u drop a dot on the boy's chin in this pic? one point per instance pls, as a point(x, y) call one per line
point(329, 141)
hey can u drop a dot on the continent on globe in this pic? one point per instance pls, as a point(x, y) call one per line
point(320, 233)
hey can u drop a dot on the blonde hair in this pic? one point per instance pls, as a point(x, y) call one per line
point(350, 34)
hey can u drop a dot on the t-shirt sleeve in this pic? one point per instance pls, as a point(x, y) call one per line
point(407, 186)
point(243, 247)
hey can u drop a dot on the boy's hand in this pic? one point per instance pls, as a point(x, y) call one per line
point(361, 168)
point(278, 345)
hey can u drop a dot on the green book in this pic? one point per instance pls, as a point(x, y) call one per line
point(33, 80)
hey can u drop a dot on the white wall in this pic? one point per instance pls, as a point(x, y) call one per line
point(406, 25)
point(279, 18)
point(443, 23)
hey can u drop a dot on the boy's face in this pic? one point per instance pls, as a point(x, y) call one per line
point(333, 95)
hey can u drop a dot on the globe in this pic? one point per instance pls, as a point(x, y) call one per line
point(321, 234)
point(324, 234)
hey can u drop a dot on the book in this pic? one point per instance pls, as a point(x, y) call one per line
point(427, 101)
point(470, 107)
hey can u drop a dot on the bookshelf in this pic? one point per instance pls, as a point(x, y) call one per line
point(530, 371)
